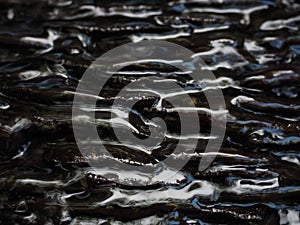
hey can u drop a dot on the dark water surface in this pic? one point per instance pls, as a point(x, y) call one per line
point(253, 48)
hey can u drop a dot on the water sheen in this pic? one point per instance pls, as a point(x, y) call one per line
point(253, 48)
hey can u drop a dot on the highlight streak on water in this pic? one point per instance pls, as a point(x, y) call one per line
point(253, 47)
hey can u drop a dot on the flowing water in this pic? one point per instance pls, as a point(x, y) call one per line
point(252, 47)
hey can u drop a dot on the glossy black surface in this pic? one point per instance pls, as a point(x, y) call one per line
point(253, 47)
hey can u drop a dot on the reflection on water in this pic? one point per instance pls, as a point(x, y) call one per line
point(252, 47)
